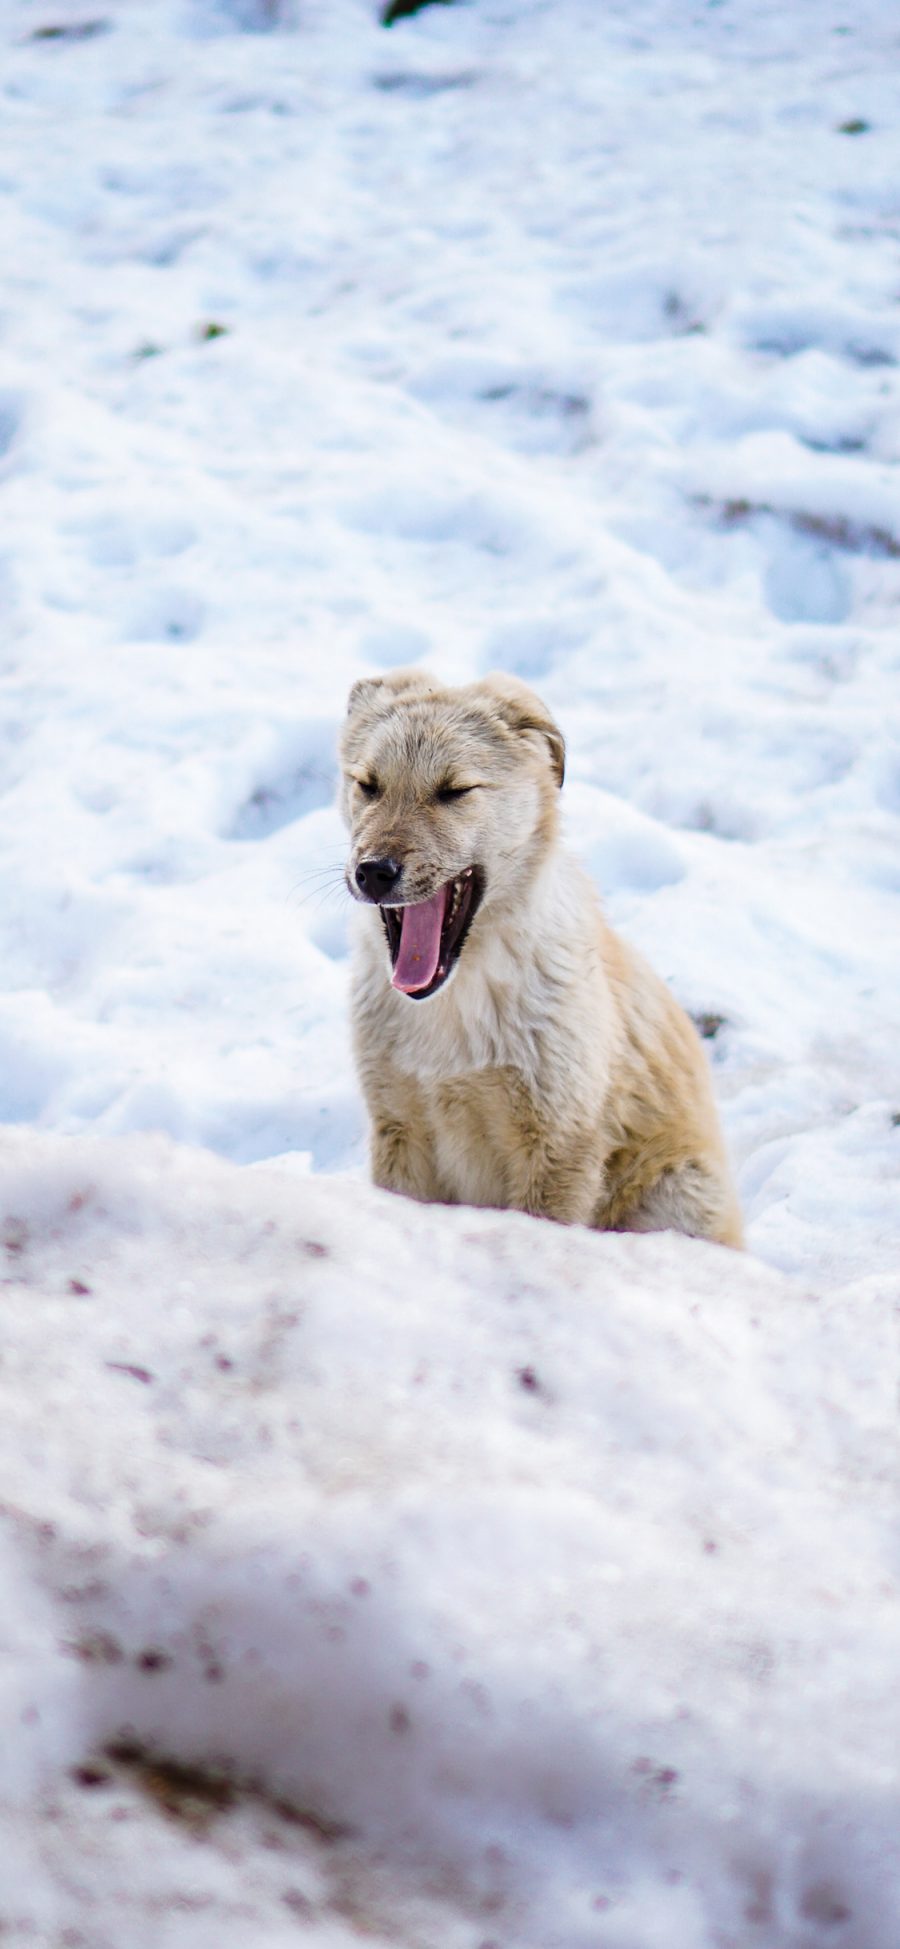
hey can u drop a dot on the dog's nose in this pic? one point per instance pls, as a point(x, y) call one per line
point(376, 878)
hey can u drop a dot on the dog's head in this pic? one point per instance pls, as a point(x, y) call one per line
point(450, 796)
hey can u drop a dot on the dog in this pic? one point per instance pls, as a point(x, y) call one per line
point(513, 1050)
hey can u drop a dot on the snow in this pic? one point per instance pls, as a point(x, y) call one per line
point(549, 337)
point(543, 1576)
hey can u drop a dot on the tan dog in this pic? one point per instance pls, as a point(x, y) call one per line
point(513, 1050)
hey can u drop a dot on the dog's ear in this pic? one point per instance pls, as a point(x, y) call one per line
point(372, 696)
point(521, 711)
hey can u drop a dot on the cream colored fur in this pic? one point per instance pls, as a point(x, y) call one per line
point(553, 1072)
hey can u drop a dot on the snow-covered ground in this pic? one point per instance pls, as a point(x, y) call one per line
point(549, 335)
point(531, 1587)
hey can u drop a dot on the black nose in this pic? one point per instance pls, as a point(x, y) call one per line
point(376, 878)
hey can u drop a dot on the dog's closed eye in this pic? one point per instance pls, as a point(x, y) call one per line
point(369, 787)
point(446, 794)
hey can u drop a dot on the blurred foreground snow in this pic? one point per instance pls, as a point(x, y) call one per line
point(437, 1577)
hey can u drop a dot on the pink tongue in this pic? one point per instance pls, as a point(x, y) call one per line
point(420, 943)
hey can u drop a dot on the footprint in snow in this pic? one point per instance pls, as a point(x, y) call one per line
point(11, 418)
point(171, 615)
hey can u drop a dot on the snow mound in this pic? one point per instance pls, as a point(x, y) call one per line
point(436, 1575)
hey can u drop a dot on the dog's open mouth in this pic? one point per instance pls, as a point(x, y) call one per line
point(426, 939)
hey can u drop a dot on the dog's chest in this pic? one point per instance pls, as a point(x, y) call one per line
point(479, 1125)
point(476, 1026)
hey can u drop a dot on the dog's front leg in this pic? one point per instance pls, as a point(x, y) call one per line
point(562, 1185)
point(402, 1161)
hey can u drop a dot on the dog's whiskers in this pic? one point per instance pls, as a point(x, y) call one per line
point(324, 881)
